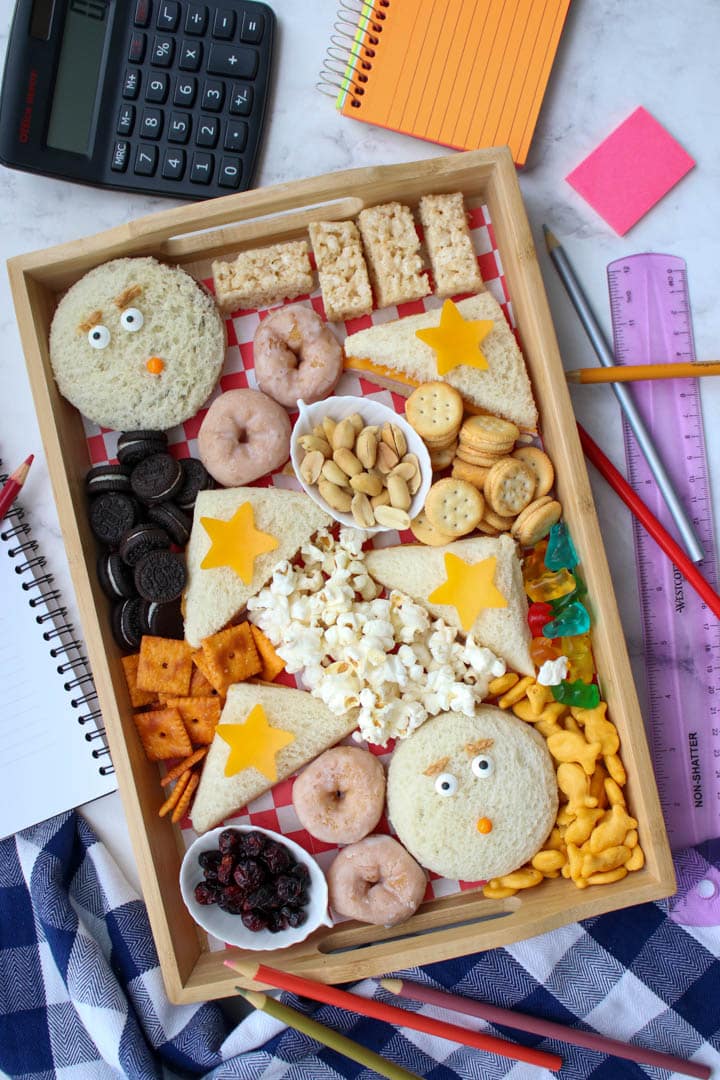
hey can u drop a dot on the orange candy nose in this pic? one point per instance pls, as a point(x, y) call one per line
point(484, 825)
point(155, 365)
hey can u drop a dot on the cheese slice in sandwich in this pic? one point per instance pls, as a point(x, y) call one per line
point(275, 524)
point(422, 571)
point(286, 729)
point(503, 388)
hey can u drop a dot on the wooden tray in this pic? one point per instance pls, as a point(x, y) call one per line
point(190, 236)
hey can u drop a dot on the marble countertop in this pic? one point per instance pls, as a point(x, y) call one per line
point(613, 57)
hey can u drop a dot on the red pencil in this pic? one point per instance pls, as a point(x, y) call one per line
point(13, 485)
point(589, 1040)
point(391, 1014)
point(649, 522)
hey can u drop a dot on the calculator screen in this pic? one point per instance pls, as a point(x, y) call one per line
point(78, 75)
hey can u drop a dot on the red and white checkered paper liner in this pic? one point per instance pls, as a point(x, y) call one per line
point(274, 809)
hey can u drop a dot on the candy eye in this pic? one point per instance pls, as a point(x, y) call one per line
point(446, 784)
point(99, 336)
point(132, 320)
point(482, 766)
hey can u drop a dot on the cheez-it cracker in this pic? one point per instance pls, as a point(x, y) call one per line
point(163, 734)
point(138, 698)
point(231, 657)
point(199, 684)
point(272, 664)
point(165, 666)
point(200, 716)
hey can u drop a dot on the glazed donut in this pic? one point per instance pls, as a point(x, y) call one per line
point(296, 356)
point(244, 435)
point(339, 797)
point(376, 881)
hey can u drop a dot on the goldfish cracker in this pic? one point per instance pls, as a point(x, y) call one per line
point(524, 711)
point(555, 841)
point(569, 746)
point(580, 658)
point(495, 891)
point(597, 785)
point(636, 860)
point(614, 792)
point(547, 726)
point(549, 861)
point(571, 724)
point(502, 684)
point(631, 838)
point(615, 767)
point(575, 861)
point(573, 782)
point(608, 877)
point(610, 832)
point(538, 696)
point(579, 830)
point(598, 729)
point(542, 649)
point(550, 586)
point(566, 816)
point(515, 693)
point(524, 878)
point(608, 859)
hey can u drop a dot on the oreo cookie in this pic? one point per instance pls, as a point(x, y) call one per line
point(160, 577)
point(111, 515)
point(127, 624)
point(134, 446)
point(162, 620)
point(116, 579)
point(171, 518)
point(195, 478)
point(103, 478)
point(156, 479)
point(141, 540)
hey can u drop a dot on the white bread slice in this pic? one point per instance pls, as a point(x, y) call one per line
point(503, 389)
point(419, 570)
point(213, 597)
point(315, 729)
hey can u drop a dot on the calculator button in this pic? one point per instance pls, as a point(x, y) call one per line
point(146, 160)
point(208, 131)
point(173, 165)
point(157, 87)
point(252, 28)
point(120, 156)
point(143, 11)
point(230, 172)
point(151, 124)
point(168, 15)
point(185, 91)
point(224, 25)
point(236, 60)
point(213, 95)
point(136, 52)
point(202, 168)
point(131, 84)
point(163, 51)
point(179, 128)
point(126, 120)
point(190, 56)
point(241, 100)
point(196, 19)
point(235, 136)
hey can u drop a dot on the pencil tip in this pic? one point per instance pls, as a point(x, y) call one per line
point(29, 459)
point(394, 986)
point(253, 996)
point(242, 967)
point(551, 240)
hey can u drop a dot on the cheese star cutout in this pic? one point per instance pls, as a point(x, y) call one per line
point(236, 543)
point(456, 340)
point(469, 588)
point(253, 744)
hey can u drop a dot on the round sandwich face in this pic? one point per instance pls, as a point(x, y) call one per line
point(472, 797)
point(137, 344)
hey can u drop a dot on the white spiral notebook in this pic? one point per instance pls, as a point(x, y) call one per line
point(53, 754)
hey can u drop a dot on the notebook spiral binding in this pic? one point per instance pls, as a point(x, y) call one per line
point(349, 57)
point(45, 601)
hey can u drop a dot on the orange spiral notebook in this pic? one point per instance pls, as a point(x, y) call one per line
point(463, 73)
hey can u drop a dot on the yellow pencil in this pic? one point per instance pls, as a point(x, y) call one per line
point(635, 372)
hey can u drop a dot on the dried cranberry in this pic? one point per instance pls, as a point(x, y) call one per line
point(205, 894)
point(288, 888)
point(250, 845)
point(277, 857)
point(276, 921)
point(210, 861)
point(228, 841)
point(293, 916)
point(301, 872)
point(225, 869)
point(264, 898)
point(248, 874)
point(254, 920)
point(230, 899)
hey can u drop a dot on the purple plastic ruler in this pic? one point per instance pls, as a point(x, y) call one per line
point(651, 319)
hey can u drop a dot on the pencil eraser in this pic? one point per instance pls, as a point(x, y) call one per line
point(630, 170)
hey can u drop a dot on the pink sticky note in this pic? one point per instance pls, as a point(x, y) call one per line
point(631, 170)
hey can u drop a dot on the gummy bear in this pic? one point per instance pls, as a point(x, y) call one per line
point(580, 657)
point(542, 649)
point(560, 550)
point(538, 615)
point(573, 619)
point(561, 602)
point(534, 563)
point(550, 585)
point(581, 694)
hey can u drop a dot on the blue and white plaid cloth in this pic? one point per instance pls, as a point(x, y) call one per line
point(81, 996)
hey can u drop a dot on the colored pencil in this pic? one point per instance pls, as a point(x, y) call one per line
point(649, 522)
point(588, 1040)
point(13, 485)
point(325, 1035)
point(605, 355)
point(639, 372)
point(391, 1014)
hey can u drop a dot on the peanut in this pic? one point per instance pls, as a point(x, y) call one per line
point(366, 447)
point(398, 491)
point(343, 435)
point(329, 426)
point(386, 459)
point(332, 472)
point(383, 499)
point(313, 442)
point(311, 466)
point(392, 517)
point(357, 422)
point(367, 483)
point(334, 496)
point(394, 437)
point(347, 461)
point(362, 511)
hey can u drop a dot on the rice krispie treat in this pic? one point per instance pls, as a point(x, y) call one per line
point(392, 248)
point(448, 242)
point(263, 276)
point(342, 269)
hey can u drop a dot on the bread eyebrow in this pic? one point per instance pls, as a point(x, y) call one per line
point(123, 299)
point(473, 748)
point(92, 320)
point(436, 767)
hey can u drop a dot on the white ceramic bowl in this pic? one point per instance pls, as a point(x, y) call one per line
point(229, 928)
point(372, 412)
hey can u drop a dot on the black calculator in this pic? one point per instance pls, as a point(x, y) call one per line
point(160, 97)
